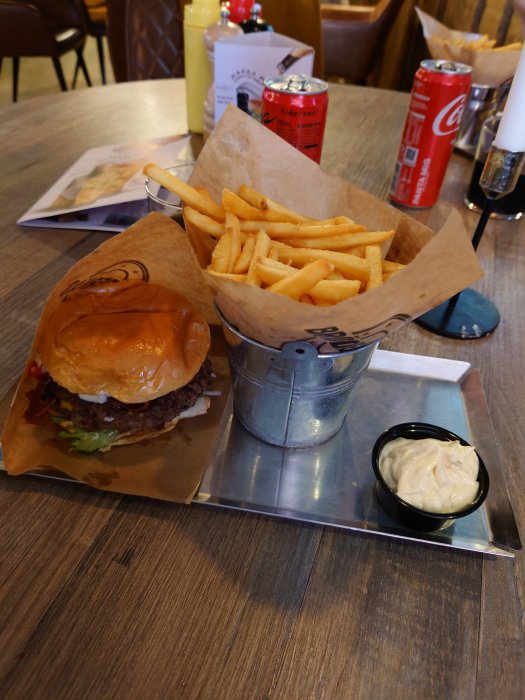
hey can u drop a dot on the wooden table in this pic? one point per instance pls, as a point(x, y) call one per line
point(110, 596)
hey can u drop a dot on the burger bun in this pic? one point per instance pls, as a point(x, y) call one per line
point(133, 340)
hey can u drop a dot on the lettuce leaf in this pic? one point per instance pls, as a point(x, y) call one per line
point(88, 441)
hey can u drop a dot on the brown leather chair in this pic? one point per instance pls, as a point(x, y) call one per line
point(353, 37)
point(41, 28)
point(154, 39)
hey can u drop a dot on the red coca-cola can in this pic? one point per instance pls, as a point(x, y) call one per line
point(437, 101)
point(295, 106)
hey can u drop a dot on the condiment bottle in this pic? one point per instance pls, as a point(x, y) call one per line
point(255, 23)
point(198, 15)
point(240, 10)
point(213, 33)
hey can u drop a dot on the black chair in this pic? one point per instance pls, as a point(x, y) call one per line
point(41, 28)
point(94, 15)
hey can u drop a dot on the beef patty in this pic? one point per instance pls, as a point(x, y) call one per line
point(126, 417)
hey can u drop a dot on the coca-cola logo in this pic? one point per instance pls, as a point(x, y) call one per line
point(266, 118)
point(448, 120)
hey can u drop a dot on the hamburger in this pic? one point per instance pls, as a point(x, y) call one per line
point(119, 362)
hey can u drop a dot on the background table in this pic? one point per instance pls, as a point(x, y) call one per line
point(109, 596)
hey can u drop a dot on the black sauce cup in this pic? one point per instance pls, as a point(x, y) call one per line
point(405, 513)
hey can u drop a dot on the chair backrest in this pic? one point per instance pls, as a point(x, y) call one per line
point(24, 31)
point(154, 39)
point(61, 14)
point(354, 37)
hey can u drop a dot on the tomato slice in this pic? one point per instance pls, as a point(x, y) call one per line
point(36, 369)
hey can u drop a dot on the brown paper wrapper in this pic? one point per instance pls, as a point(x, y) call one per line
point(490, 68)
point(168, 467)
point(240, 150)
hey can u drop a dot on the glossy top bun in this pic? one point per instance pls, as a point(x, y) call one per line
point(134, 341)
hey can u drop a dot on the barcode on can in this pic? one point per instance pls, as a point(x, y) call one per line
point(410, 157)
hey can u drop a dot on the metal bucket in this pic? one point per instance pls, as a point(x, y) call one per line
point(292, 397)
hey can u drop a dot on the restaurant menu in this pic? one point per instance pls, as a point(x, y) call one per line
point(104, 189)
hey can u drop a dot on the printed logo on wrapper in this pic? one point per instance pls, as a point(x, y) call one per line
point(333, 339)
point(121, 271)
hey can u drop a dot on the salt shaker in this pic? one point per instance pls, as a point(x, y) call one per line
point(215, 32)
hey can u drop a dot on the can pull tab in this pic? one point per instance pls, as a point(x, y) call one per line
point(448, 67)
point(297, 83)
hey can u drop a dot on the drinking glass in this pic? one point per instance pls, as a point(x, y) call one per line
point(163, 200)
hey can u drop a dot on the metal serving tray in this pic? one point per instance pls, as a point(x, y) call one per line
point(333, 483)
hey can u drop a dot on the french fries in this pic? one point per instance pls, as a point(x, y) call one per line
point(236, 205)
point(271, 211)
point(351, 266)
point(233, 229)
point(258, 241)
point(278, 229)
point(260, 250)
point(515, 46)
point(245, 258)
point(302, 281)
point(190, 195)
point(220, 257)
point(482, 43)
point(373, 255)
point(326, 290)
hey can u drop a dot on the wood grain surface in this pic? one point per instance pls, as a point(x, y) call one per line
point(108, 596)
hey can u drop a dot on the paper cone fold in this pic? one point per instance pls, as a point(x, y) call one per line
point(240, 150)
point(489, 67)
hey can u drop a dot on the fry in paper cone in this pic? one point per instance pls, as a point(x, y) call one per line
point(242, 151)
point(155, 253)
point(490, 66)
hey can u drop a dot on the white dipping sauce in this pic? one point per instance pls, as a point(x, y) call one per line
point(433, 475)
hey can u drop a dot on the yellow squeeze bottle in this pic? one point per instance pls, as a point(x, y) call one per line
point(197, 16)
